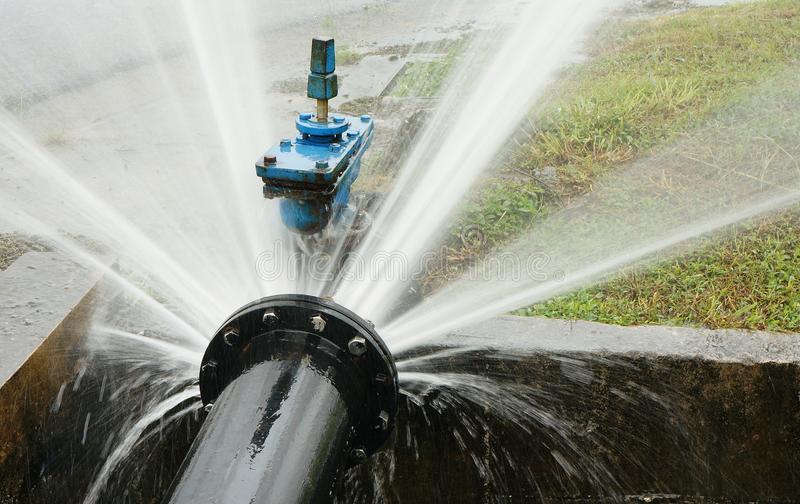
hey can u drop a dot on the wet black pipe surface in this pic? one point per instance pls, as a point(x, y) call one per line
point(276, 434)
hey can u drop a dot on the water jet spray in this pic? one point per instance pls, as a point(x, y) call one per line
point(296, 388)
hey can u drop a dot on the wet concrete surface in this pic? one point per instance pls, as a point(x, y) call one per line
point(44, 301)
point(37, 292)
point(126, 132)
point(555, 335)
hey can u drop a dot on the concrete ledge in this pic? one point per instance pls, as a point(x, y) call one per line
point(44, 300)
point(39, 290)
point(551, 335)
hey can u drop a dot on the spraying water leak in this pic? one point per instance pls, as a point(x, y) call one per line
point(476, 123)
point(141, 166)
point(743, 164)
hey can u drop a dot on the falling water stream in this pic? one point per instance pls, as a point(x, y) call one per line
point(137, 161)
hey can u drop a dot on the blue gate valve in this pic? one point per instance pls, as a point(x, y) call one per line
point(313, 173)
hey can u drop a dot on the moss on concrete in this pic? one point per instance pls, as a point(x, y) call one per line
point(13, 246)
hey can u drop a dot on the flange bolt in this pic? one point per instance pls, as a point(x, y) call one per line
point(269, 318)
point(231, 337)
point(357, 346)
point(383, 420)
point(209, 367)
point(358, 455)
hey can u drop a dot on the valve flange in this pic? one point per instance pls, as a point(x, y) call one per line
point(306, 327)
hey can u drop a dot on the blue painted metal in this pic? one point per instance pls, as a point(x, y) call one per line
point(310, 126)
point(296, 162)
point(322, 82)
point(313, 173)
point(323, 55)
point(323, 87)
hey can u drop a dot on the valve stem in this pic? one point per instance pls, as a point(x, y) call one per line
point(323, 83)
point(322, 110)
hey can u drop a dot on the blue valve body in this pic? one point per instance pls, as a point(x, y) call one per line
point(314, 172)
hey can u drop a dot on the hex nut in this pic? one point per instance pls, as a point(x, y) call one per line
point(231, 337)
point(357, 346)
point(269, 317)
point(358, 455)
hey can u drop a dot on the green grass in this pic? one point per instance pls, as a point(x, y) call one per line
point(425, 78)
point(647, 83)
point(14, 245)
point(746, 279)
point(650, 80)
point(347, 56)
point(13, 104)
point(498, 213)
point(487, 220)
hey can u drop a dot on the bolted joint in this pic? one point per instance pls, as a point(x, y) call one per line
point(335, 343)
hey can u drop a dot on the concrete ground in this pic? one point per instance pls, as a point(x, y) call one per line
point(102, 124)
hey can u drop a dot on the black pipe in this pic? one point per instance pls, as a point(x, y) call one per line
point(297, 389)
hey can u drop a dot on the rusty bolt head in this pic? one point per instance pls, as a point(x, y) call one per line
point(321, 165)
point(318, 322)
point(357, 346)
point(270, 159)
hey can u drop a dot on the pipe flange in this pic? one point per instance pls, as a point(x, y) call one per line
point(306, 325)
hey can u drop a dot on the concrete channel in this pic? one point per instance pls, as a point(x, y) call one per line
point(663, 414)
